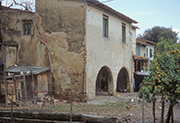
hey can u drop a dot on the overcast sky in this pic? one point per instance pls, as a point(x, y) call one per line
point(148, 13)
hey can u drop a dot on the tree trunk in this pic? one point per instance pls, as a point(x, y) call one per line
point(169, 113)
point(162, 112)
point(154, 111)
point(172, 116)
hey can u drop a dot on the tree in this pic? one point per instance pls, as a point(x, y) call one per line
point(25, 4)
point(164, 78)
point(156, 33)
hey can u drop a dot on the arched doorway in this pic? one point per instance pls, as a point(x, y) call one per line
point(104, 82)
point(123, 80)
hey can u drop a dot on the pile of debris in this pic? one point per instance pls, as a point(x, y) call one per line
point(46, 101)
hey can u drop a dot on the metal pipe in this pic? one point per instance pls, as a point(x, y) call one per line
point(143, 109)
point(52, 71)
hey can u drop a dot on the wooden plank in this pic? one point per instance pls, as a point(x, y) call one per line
point(8, 77)
point(25, 88)
point(15, 89)
point(32, 82)
point(19, 80)
point(5, 92)
point(18, 76)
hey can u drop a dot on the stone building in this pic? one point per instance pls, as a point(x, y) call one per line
point(87, 45)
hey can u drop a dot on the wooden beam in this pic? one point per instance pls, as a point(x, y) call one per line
point(24, 78)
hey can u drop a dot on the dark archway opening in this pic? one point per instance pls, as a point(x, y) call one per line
point(122, 81)
point(104, 82)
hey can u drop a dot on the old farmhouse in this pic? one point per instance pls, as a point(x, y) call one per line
point(84, 45)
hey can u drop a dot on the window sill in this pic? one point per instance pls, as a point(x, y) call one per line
point(105, 39)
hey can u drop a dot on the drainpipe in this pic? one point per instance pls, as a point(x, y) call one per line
point(52, 71)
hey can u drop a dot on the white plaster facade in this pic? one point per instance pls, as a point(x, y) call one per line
point(150, 47)
point(110, 52)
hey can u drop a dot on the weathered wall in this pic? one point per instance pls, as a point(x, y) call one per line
point(111, 52)
point(15, 42)
point(61, 24)
point(133, 41)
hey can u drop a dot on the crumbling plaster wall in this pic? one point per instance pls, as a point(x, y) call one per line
point(110, 52)
point(20, 49)
point(61, 25)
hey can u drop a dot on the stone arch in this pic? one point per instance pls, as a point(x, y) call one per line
point(104, 81)
point(123, 80)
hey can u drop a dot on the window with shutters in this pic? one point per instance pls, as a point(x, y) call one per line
point(124, 32)
point(105, 26)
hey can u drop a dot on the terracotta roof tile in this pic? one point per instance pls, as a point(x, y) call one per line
point(147, 41)
point(140, 57)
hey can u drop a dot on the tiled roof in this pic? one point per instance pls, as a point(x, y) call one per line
point(147, 41)
point(108, 9)
point(140, 57)
point(135, 27)
point(141, 42)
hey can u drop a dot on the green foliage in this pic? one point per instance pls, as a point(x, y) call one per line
point(156, 33)
point(164, 78)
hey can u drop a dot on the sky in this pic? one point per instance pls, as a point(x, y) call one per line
point(148, 13)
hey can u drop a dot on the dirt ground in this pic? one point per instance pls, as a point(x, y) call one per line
point(127, 107)
point(130, 108)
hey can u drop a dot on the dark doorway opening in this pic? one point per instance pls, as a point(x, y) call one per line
point(104, 82)
point(123, 81)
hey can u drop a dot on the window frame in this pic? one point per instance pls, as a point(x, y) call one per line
point(123, 32)
point(27, 25)
point(105, 26)
point(151, 53)
point(147, 50)
point(139, 50)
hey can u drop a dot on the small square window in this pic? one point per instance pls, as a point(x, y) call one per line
point(27, 28)
point(105, 26)
point(123, 32)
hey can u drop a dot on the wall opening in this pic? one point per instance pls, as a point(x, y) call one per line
point(123, 81)
point(104, 82)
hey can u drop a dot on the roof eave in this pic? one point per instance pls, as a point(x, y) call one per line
point(110, 10)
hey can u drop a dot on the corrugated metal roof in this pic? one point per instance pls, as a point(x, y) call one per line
point(26, 69)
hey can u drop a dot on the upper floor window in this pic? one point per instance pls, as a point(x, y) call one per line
point(138, 50)
point(105, 26)
point(123, 32)
point(27, 28)
point(146, 52)
point(151, 54)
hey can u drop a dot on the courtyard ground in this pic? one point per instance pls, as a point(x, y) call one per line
point(127, 107)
